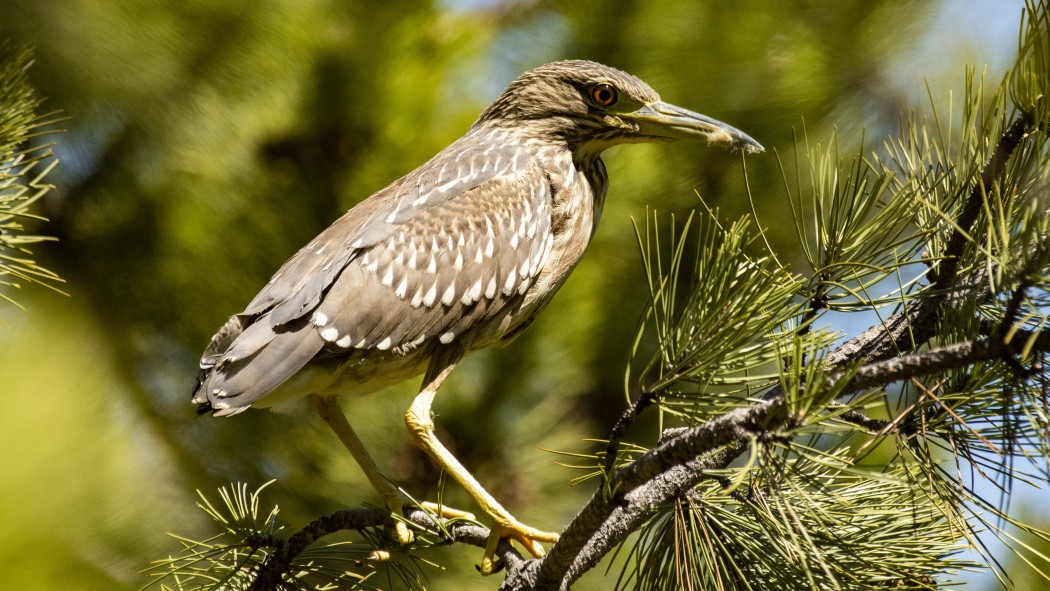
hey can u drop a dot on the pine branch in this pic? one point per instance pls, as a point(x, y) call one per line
point(914, 325)
point(680, 463)
point(945, 276)
point(24, 167)
point(606, 522)
point(285, 551)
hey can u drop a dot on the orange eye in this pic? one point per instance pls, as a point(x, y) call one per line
point(604, 95)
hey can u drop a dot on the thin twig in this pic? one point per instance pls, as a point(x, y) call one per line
point(946, 273)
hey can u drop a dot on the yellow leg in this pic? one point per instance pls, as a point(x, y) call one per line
point(394, 499)
point(421, 427)
point(329, 409)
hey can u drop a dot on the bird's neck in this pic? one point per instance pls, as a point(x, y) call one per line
point(578, 183)
point(578, 193)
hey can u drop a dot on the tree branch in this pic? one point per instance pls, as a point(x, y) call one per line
point(914, 325)
point(357, 519)
point(990, 173)
point(678, 464)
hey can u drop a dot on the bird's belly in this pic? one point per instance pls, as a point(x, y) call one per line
point(361, 373)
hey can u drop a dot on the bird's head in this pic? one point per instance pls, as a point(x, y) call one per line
point(594, 107)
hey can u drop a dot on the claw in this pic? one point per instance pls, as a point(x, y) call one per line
point(532, 546)
point(402, 533)
point(528, 537)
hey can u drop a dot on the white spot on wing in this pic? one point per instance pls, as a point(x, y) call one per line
point(330, 334)
point(417, 298)
point(508, 285)
point(319, 319)
point(447, 337)
point(344, 342)
point(428, 299)
point(384, 344)
point(449, 296)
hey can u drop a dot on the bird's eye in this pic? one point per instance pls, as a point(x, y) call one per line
point(604, 95)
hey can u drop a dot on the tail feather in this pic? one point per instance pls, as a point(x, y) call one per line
point(256, 360)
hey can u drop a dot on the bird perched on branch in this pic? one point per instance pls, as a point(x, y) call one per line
point(461, 253)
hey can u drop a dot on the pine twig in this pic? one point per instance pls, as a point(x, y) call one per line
point(287, 550)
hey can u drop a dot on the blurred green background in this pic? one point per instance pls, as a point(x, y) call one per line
point(208, 140)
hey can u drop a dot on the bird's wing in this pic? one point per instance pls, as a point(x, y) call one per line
point(465, 166)
point(445, 270)
point(422, 259)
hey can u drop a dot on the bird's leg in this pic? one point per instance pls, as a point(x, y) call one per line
point(421, 427)
point(394, 499)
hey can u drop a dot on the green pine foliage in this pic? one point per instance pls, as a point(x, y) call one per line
point(24, 165)
point(879, 487)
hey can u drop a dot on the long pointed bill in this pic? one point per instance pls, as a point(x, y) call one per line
point(664, 120)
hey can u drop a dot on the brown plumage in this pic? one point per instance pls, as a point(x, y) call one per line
point(459, 254)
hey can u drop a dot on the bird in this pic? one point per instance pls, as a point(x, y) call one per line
point(460, 254)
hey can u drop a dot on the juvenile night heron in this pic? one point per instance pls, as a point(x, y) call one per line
point(462, 253)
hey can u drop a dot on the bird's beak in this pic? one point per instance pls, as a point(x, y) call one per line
point(664, 120)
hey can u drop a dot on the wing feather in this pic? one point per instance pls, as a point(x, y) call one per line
point(435, 255)
point(445, 273)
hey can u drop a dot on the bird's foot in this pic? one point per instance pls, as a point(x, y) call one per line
point(506, 527)
point(402, 533)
